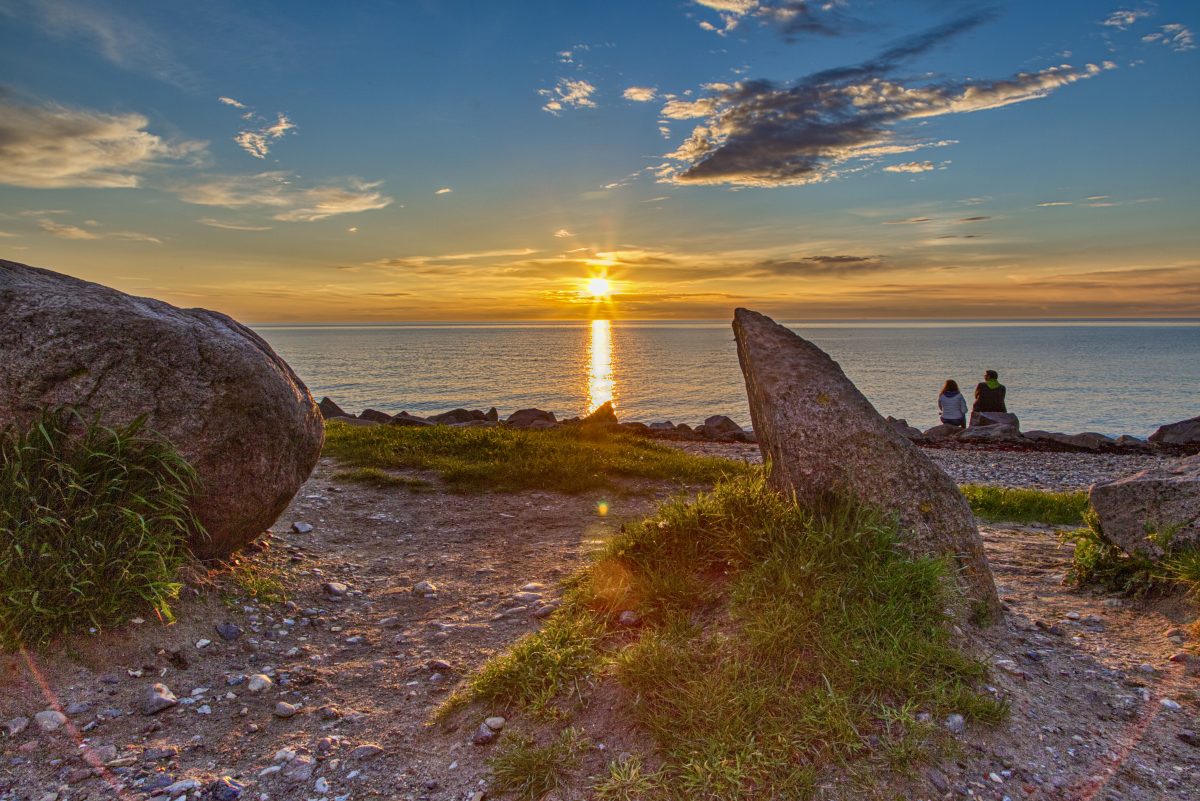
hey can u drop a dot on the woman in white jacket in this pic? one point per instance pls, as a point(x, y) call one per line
point(952, 406)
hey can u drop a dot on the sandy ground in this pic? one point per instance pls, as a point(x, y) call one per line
point(1100, 710)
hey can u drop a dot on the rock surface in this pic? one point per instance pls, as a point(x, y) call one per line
point(525, 418)
point(214, 388)
point(825, 439)
point(1185, 432)
point(1159, 499)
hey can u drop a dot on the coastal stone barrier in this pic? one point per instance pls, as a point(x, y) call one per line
point(999, 432)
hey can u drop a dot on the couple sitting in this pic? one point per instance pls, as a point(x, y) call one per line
point(989, 397)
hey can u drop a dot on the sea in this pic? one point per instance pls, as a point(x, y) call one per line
point(1125, 377)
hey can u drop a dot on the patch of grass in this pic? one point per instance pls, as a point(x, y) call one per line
point(773, 641)
point(628, 780)
point(259, 580)
point(381, 478)
point(568, 459)
point(539, 668)
point(1098, 561)
point(94, 523)
point(1016, 505)
point(528, 771)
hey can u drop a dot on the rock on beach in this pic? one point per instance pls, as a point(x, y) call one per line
point(1161, 499)
point(825, 439)
point(214, 388)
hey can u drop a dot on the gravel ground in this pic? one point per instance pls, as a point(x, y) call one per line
point(1036, 469)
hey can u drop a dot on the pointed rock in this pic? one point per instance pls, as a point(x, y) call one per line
point(604, 414)
point(822, 437)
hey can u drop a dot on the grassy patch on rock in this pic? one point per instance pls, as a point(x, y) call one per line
point(1098, 561)
point(1019, 505)
point(94, 523)
point(770, 642)
point(567, 459)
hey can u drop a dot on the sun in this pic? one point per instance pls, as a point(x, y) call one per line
point(599, 287)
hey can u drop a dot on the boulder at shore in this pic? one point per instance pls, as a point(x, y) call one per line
point(823, 438)
point(1161, 500)
point(1185, 432)
point(213, 387)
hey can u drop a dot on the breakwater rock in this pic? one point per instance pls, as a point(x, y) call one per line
point(214, 388)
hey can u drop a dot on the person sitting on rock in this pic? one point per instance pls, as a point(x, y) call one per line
point(989, 396)
point(952, 406)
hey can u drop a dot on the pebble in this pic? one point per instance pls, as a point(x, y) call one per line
point(157, 698)
point(424, 588)
point(335, 589)
point(366, 751)
point(299, 769)
point(224, 789)
point(1190, 737)
point(15, 726)
point(258, 682)
point(50, 720)
point(527, 597)
point(1167, 703)
point(228, 631)
point(628, 618)
point(495, 723)
point(321, 786)
point(483, 735)
point(301, 527)
point(203, 643)
point(285, 710)
point(955, 723)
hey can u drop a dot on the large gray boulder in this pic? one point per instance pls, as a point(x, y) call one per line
point(823, 438)
point(1185, 432)
point(1161, 501)
point(213, 387)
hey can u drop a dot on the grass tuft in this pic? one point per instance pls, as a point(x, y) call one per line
point(528, 771)
point(628, 780)
point(568, 459)
point(376, 477)
point(1099, 561)
point(773, 640)
point(94, 523)
point(258, 579)
point(1018, 505)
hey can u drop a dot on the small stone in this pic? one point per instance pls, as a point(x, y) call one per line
point(424, 588)
point(366, 751)
point(285, 710)
point(157, 698)
point(628, 618)
point(78, 708)
point(15, 726)
point(181, 786)
point(1147, 668)
point(955, 723)
point(1167, 703)
point(527, 597)
point(299, 769)
point(301, 528)
point(1190, 737)
point(533, 586)
point(203, 643)
point(50, 720)
point(335, 589)
point(321, 785)
point(224, 789)
point(388, 622)
point(228, 631)
point(483, 735)
point(1010, 667)
point(495, 723)
point(258, 682)
point(1073, 616)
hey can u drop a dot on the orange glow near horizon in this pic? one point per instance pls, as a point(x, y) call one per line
point(600, 370)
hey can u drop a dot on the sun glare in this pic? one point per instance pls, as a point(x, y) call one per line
point(599, 287)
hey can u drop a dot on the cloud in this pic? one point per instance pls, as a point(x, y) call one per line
point(640, 94)
point(291, 203)
point(761, 134)
point(66, 231)
point(1122, 19)
point(822, 266)
point(1175, 36)
point(258, 142)
point(563, 233)
point(52, 146)
point(909, 221)
point(231, 226)
point(973, 219)
point(910, 166)
point(229, 101)
point(445, 190)
point(1054, 203)
point(568, 93)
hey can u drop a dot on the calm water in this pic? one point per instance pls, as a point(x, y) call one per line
point(1115, 379)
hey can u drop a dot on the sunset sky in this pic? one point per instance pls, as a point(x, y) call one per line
point(438, 160)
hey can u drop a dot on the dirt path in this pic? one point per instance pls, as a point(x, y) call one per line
point(363, 665)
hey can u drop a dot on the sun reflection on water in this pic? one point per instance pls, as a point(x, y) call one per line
point(600, 373)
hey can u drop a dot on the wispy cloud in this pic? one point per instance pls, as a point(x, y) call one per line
point(1054, 203)
point(568, 93)
point(823, 266)
point(793, 18)
point(640, 94)
point(910, 166)
point(445, 190)
point(276, 191)
point(761, 134)
point(229, 101)
point(258, 141)
point(67, 231)
point(563, 233)
point(1123, 18)
point(1176, 36)
point(231, 226)
point(51, 146)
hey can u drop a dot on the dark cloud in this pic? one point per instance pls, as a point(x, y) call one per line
point(974, 219)
point(821, 266)
point(760, 133)
point(796, 18)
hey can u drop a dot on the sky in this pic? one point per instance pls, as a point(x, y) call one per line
point(450, 160)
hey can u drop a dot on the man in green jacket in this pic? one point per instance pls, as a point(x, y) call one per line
point(989, 396)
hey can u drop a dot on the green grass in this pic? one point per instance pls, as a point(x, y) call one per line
point(528, 771)
point(376, 477)
point(774, 641)
point(259, 580)
point(94, 523)
point(1098, 561)
point(568, 459)
point(1013, 505)
point(627, 780)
